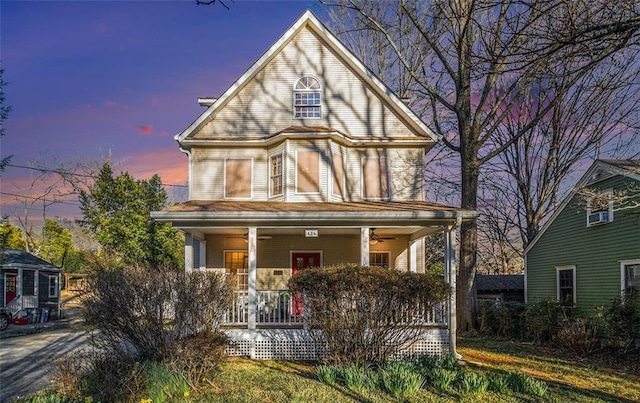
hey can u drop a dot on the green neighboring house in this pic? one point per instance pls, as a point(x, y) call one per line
point(588, 252)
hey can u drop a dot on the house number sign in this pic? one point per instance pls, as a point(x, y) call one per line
point(311, 233)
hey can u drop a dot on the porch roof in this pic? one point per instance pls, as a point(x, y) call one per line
point(394, 213)
point(13, 258)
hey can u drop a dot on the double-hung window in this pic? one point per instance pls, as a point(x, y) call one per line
point(630, 273)
point(379, 259)
point(275, 175)
point(566, 280)
point(237, 265)
point(307, 98)
point(53, 286)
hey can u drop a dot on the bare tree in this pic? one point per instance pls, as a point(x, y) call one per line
point(47, 187)
point(472, 63)
point(4, 113)
point(598, 115)
point(213, 2)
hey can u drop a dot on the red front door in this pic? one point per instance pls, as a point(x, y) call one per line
point(301, 261)
point(11, 285)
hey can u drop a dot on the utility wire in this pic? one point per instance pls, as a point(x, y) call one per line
point(60, 172)
point(39, 198)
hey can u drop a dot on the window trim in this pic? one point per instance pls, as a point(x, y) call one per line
point(56, 285)
point(307, 91)
point(623, 273)
point(226, 273)
point(335, 180)
point(363, 162)
point(380, 252)
point(319, 191)
point(282, 172)
point(224, 177)
point(573, 279)
point(609, 194)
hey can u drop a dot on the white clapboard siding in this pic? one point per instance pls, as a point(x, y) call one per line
point(264, 106)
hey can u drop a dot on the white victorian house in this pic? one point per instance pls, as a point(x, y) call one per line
point(308, 160)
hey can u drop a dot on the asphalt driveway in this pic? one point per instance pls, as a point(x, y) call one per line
point(27, 358)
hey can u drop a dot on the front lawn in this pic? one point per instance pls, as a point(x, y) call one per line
point(567, 379)
point(559, 378)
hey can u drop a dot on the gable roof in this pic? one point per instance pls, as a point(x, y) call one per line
point(310, 21)
point(21, 258)
point(598, 171)
point(503, 282)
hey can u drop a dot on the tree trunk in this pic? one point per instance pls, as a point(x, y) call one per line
point(466, 290)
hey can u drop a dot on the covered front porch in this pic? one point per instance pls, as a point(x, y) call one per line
point(28, 283)
point(263, 244)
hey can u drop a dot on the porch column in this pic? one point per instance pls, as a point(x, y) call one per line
point(450, 277)
point(413, 256)
point(364, 246)
point(188, 252)
point(203, 255)
point(19, 293)
point(36, 290)
point(252, 240)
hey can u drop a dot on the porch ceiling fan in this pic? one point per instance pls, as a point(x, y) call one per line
point(375, 238)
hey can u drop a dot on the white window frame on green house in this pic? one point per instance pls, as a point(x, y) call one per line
point(573, 285)
point(53, 287)
point(626, 265)
point(600, 216)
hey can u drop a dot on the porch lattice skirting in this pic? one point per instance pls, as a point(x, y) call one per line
point(296, 344)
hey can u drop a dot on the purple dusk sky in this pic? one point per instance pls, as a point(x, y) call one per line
point(92, 78)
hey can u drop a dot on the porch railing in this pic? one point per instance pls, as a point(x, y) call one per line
point(22, 302)
point(280, 308)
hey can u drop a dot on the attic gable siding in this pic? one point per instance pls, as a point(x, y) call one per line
point(595, 251)
point(265, 105)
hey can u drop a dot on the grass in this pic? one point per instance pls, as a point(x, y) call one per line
point(563, 379)
point(497, 365)
point(568, 379)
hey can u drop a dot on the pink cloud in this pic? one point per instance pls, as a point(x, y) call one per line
point(145, 130)
point(101, 28)
point(155, 101)
point(173, 170)
point(164, 133)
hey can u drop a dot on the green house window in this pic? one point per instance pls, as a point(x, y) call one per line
point(566, 277)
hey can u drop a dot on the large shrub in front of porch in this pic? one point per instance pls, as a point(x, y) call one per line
point(366, 314)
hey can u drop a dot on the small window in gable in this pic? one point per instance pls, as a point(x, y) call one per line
point(307, 98)
point(375, 178)
point(600, 208)
point(566, 281)
point(275, 175)
point(237, 178)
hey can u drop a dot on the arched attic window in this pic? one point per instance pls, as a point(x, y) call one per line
point(307, 98)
